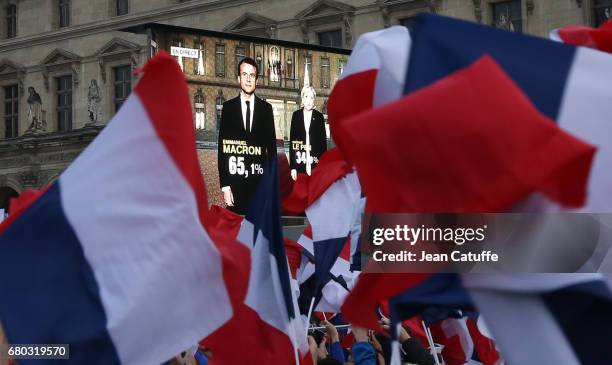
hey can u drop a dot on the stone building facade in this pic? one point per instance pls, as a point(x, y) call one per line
point(66, 65)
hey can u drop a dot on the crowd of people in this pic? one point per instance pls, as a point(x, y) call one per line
point(330, 346)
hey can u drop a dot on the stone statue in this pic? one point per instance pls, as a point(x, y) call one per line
point(35, 112)
point(505, 23)
point(93, 101)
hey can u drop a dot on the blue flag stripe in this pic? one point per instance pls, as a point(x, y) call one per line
point(440, 291)
point(326, 253)
point(584, 313)
point(68, 308)
point(443, 45)
point(265, 215)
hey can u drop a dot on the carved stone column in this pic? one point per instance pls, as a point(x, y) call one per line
point(530, 5)
point(304, 29)
point(348, 33)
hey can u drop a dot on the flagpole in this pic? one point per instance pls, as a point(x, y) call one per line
point(432, 346)
point(340, 326)
point(396, 358)
point(309, 313)
point(296, 352)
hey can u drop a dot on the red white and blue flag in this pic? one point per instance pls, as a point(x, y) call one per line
point(114, 258)
point(270, 294)
point(475, 133)
point(566, 315)
point(335, 287)
point(563, 82)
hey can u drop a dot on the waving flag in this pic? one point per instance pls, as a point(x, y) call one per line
point(374, 74)
point(332, 200)
point(484, 346)
point(330, 296)
point(471, 158)
point(113, 258)
point(332, 217)
point(566, 314)
point(498, 158)
point(454, 335)
point(269, 291)
point(246, 326)
point(564, 83)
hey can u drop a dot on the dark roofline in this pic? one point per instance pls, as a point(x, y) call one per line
point(142, 29)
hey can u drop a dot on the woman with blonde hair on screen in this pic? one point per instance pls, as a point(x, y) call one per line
point(307, 135)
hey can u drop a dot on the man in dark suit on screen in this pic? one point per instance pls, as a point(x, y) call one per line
point(247, 139)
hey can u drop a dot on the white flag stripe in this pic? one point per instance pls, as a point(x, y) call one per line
point(147, 216)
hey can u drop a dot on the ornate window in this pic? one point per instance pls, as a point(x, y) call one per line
point(64, 13)
point(11, 21)
point(328, 22)
point(64, 103)
point(307, 70)
point(240, 54)
point(324, 72)
point(331, 38)
point(11, 111)
point(220, 60)
point(290, 63)
point(200, 116)
point(219, 108)
point(507, 15)
point(603, 11)
point(199, 67)
point(341, 66)
point(259, 61)
point(122, 7)
point(274, 64)
point(123, 84)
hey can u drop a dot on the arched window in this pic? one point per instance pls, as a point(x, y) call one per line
point(219, 107)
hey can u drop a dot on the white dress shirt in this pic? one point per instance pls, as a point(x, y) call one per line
point(307, 119)
point(243, 106)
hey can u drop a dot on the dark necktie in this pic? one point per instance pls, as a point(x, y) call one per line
point(248, 117)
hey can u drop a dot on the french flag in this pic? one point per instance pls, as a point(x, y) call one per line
point(340, 279)
point(567, 316)
point(564, 82)
point(270, 294)
point(489, 166)
point(542, 81)
point(332, 201)
point(485, 348)
point(114, 258)
point(332, 218)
